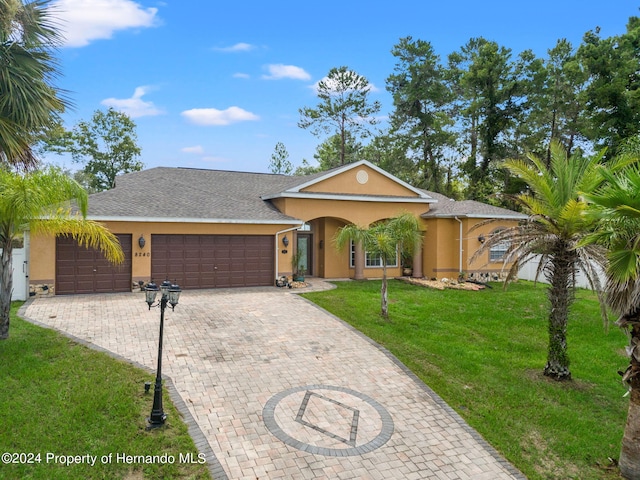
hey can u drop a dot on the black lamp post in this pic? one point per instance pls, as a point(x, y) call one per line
point(170, 295)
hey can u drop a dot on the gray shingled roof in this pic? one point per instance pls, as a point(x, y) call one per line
point(185, 193)
point(447, 207)
point(210, 195)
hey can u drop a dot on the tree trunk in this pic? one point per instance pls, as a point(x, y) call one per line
point(560, 298)
point(6, 287)
point(383, 290)
point(630, 453)
point(552, 136)
point(343, 139)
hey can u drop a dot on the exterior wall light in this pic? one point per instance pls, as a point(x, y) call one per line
point(285, 241)
point(141, 241)
point(481, 238)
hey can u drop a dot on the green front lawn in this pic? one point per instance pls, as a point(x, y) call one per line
point(60, 399)
point(484, 352)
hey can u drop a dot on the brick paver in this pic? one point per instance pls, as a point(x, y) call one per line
point(279, 388)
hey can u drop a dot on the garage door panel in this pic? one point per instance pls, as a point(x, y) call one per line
point(222, 253)
point(175, 264)
point(189, 240)
point(85, 255)
point(66, 270)
point(83, 270)
point(209, 261)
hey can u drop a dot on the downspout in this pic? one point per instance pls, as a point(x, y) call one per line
point(460, 253)
point(278, 246)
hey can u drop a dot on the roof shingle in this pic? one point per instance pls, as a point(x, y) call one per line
point(170, 193)
point(447, 207)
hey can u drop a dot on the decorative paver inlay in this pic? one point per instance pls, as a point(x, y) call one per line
point(328, 420)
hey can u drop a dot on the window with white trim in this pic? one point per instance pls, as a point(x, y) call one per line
point(498, 252)
point(372, 260)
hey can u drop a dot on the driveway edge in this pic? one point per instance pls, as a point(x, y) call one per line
point(201, 443)
point(436, 398)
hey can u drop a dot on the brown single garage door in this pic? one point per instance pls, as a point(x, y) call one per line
point(213, 261)
point(82, 270)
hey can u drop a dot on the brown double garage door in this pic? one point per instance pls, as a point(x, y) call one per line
point(193, 261)
point(213, 261)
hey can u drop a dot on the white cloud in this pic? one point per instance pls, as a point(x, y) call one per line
point(278, 71)
point(241, 75)
point(238, 47)
point(197, 149)
point(213, 116)
point(134, 107)
point(86, 20)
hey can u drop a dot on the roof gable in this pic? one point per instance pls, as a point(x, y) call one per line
point(361, 180)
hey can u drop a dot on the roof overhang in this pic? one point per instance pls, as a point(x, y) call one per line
point(343, 197)
point(476, 215)
point(239, 221)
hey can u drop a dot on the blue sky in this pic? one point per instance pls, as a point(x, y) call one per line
point(217, 84)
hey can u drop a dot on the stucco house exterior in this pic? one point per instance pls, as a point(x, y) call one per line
point(212, 228)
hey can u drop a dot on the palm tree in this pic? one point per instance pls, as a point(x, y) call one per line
point(383, 239)
point(553, 233)
point(617, 211)
point(40, 201)
point(29, 102)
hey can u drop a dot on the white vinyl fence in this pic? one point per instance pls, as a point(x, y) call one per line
point(528, 272)
point(19, 274)
point(20, 271)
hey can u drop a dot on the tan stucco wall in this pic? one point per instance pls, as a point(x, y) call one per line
point(42, 259)
point(442, 247)
point(336, 261)
point(329, 262)
point(327, 216)
point(351, 211)
point(42, 251)
point(347, 183)
point(482, 263)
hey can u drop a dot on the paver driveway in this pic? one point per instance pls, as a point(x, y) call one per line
point(281, 389)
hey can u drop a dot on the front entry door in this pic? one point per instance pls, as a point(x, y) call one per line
point(306, 260)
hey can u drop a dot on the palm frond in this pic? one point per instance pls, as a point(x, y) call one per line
point(30, 102)
point(87, 233)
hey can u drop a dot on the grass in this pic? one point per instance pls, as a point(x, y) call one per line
point(484, 352)
point(61, 398)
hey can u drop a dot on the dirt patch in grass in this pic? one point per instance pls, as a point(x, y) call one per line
point(547, 463)
point(134, 475)
point(574, 384)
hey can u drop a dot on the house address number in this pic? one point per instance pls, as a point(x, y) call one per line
point(143, 254)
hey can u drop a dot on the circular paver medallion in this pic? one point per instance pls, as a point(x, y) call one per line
point(328, 420)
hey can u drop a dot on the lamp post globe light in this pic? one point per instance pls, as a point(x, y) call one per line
point(170, 293)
